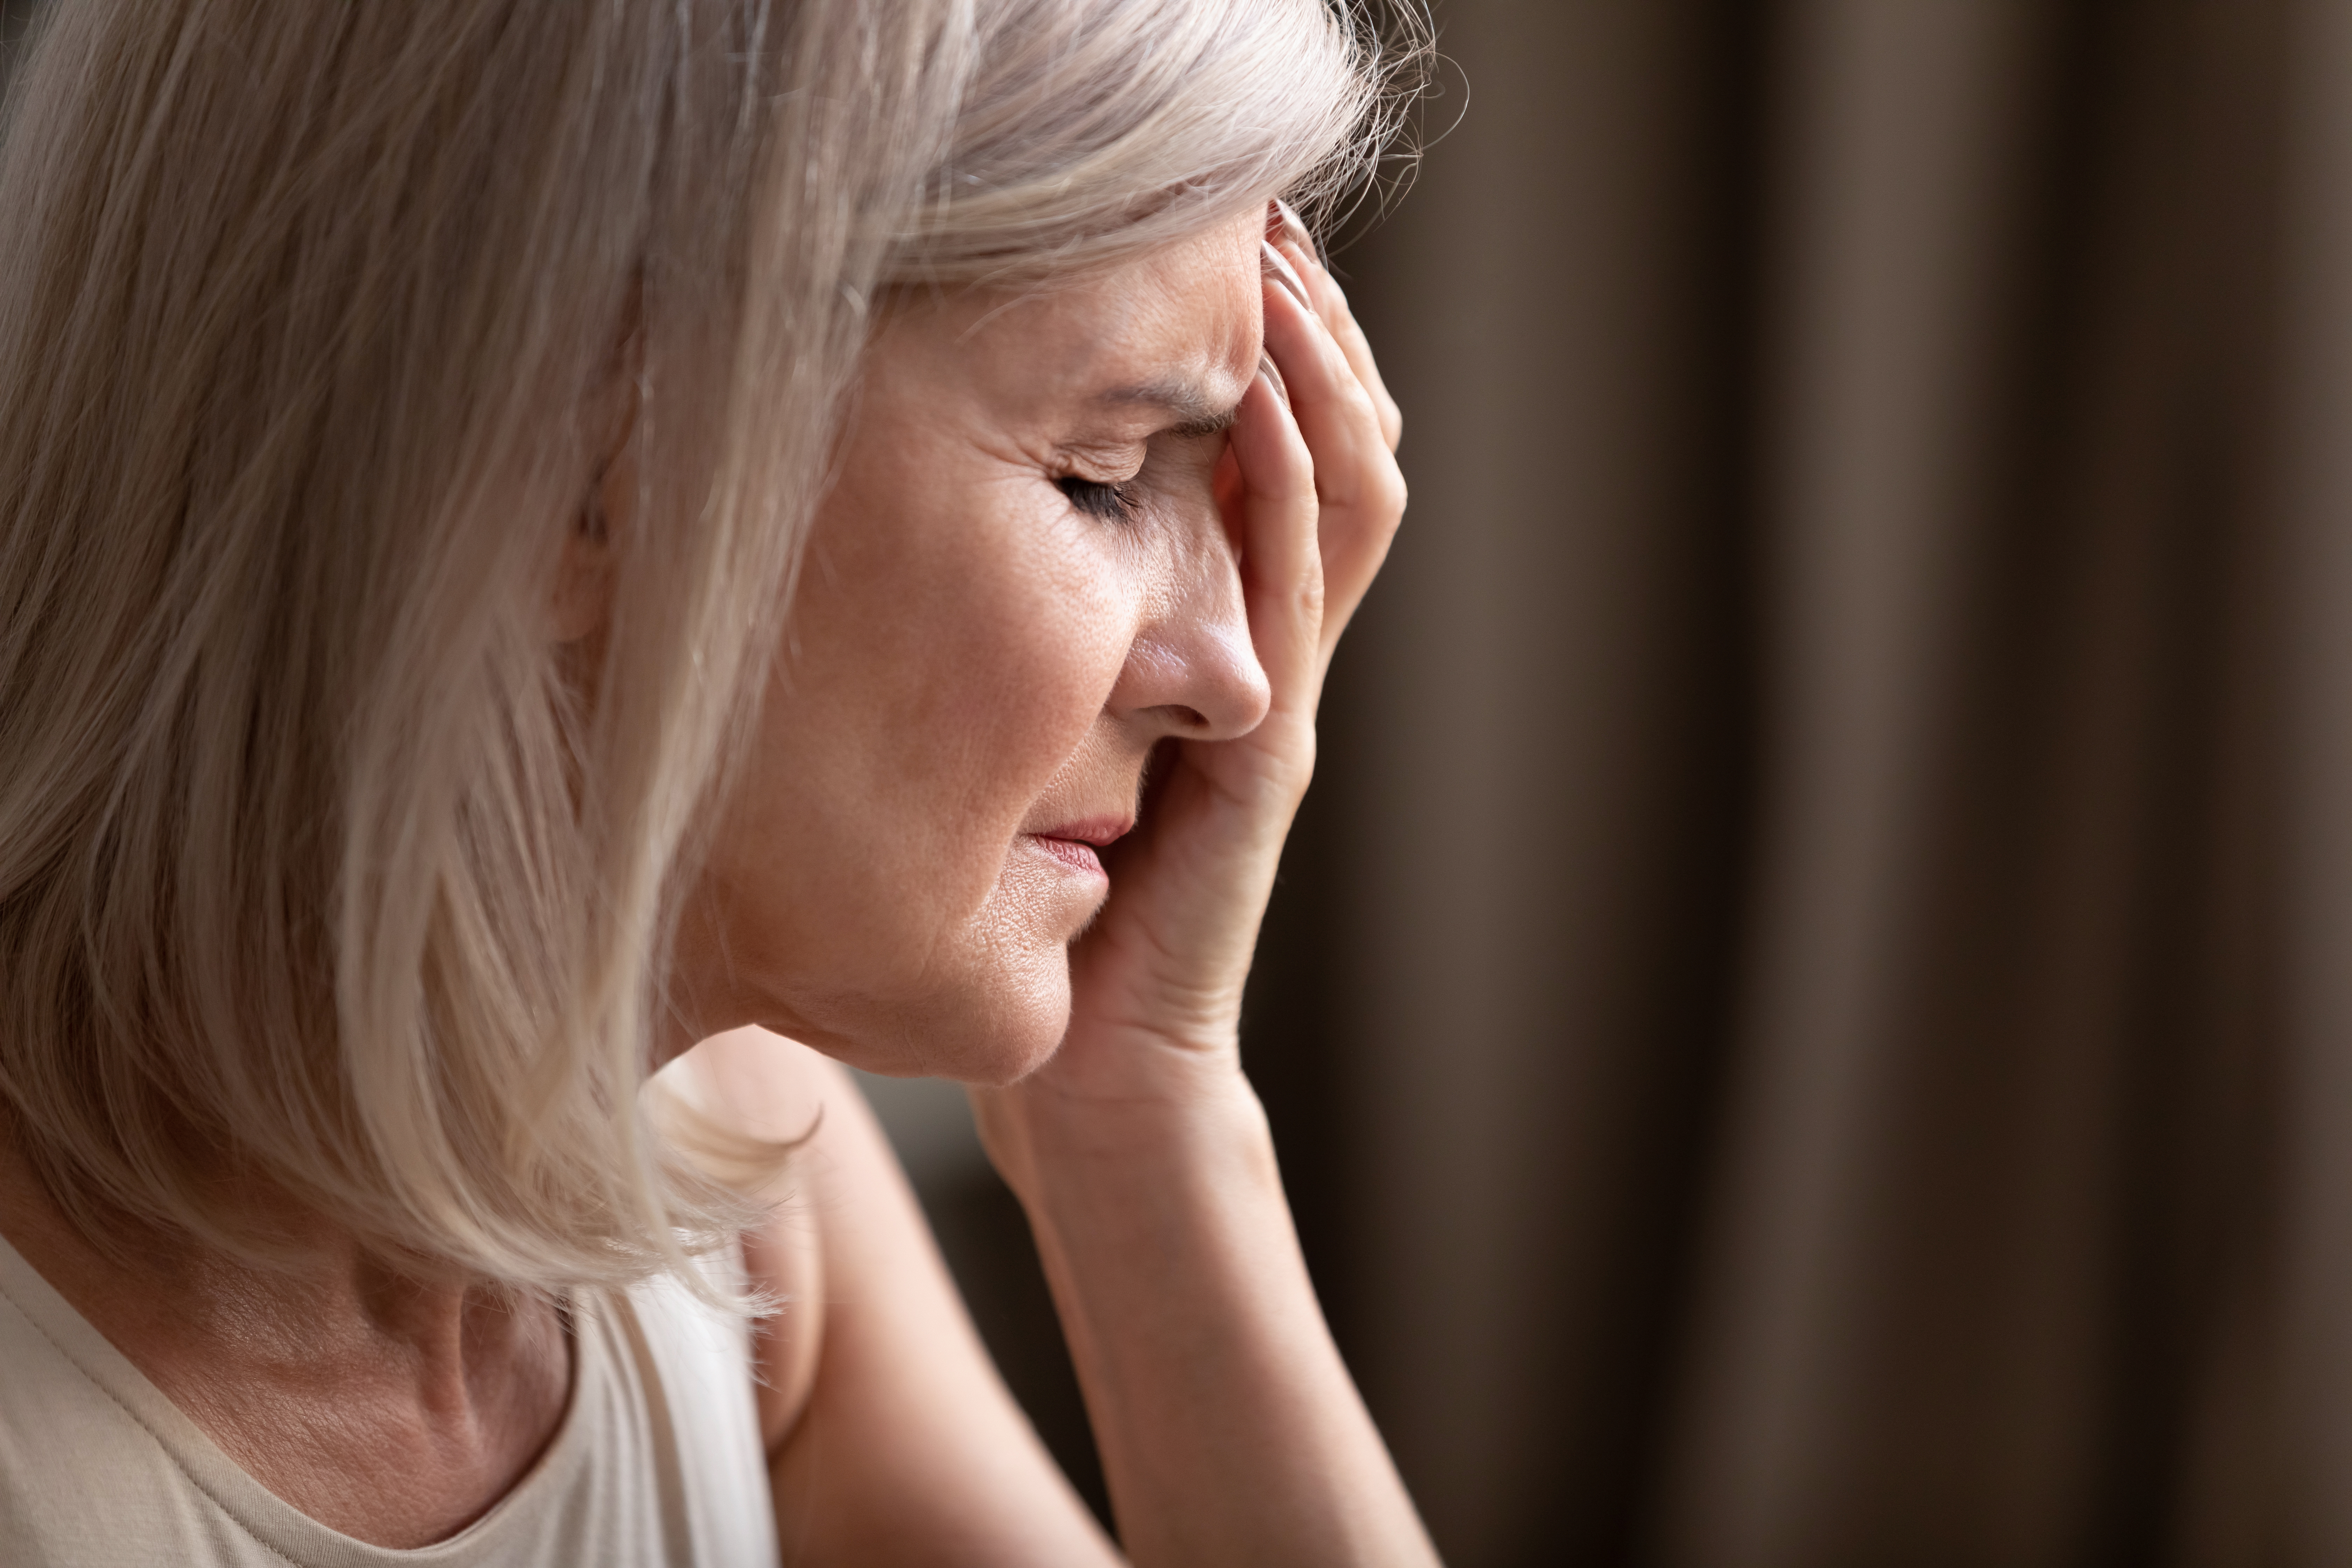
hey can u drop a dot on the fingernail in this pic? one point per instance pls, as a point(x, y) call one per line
point(1278, 267)
point(1273, 378)
point(1287, 221)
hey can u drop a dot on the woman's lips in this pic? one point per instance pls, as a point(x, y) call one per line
point(1074, 843)
point(1073, 853)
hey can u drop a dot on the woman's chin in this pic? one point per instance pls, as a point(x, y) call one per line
point(989, 1034)
point(1015, 1040)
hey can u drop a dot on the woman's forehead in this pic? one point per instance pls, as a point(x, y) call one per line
point(1176, 332)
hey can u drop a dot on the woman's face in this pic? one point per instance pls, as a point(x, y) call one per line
point(1018, 584)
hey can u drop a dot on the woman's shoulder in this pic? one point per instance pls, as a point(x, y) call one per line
point(770, 1097)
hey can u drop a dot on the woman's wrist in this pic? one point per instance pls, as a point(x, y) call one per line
point(1190, 1318)
point(1142, 1100)
point(1153, 1211)
point(1185, 1135)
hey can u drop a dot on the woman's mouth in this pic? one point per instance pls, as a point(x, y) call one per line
point(1075, 853)
point(1073, 844)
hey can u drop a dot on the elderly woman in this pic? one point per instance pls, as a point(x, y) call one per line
point(541, 539)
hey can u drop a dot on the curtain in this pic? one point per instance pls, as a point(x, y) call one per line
point(1812, 1016)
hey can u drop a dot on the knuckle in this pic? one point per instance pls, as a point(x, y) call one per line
point(1309, 599)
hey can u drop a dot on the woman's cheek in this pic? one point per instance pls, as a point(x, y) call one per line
point(1077, 635)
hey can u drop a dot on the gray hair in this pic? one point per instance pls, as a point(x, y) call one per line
point(314, 852)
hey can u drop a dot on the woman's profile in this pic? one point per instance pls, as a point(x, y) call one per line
point(566, 568)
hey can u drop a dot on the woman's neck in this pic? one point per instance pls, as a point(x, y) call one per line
point(394, 1407)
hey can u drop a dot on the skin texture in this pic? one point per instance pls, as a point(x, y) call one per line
point(396, 1408)
point(976, 673)
point(976, 660)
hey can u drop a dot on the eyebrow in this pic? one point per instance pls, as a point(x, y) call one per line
point(1195, 415)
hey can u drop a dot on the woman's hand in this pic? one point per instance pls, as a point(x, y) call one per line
point(1312, 496)
point(1229, 1429)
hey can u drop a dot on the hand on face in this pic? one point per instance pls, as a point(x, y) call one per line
point(1043, 556)
point(1311, 492)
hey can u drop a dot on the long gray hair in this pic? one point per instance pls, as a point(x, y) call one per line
point(315, 855)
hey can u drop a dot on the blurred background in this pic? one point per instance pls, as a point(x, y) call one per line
point(1809, 1015)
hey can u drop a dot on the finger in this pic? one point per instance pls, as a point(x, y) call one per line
point(1330, 303)
point(1273, 479)
point(1358, 486)
point(1333, 409)
point(1282, 222)
point(1226, 482)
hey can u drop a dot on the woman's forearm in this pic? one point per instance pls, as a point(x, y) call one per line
point(1230, 1430)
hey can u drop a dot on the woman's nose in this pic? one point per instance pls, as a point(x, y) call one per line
point(1191, 670)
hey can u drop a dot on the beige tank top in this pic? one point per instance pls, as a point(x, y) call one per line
point(658, 1459)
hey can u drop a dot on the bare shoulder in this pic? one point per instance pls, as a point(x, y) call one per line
point(750, 1084)
point(871, 1362)
point(759, 1084)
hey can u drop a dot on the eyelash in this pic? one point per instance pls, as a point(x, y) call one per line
point(1110, 503)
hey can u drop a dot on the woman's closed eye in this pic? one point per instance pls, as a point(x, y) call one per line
point(1108, 503)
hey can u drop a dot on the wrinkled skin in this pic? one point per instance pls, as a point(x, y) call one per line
point(980, 664)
